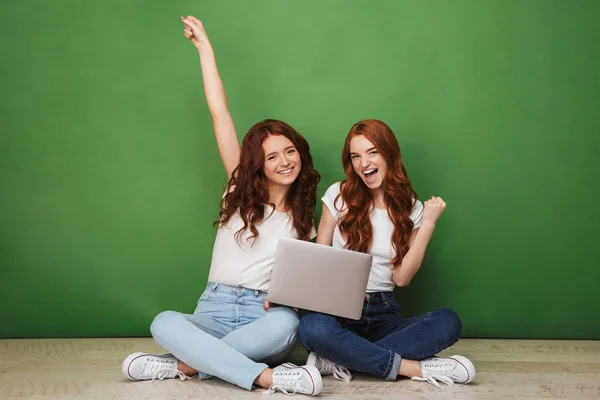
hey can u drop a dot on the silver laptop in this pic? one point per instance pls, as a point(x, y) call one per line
point(319, 278)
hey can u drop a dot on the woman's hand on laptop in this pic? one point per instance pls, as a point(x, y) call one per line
point(268, 305)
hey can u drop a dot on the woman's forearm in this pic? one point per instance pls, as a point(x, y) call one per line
point(414, 257)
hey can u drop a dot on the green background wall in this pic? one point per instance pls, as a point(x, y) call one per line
point(110, 177)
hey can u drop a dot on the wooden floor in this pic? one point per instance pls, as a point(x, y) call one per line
point(91, 369)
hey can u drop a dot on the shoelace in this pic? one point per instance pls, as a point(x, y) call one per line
point(285, 381)
point(339, 372)
point(434, 380)
point(159, 369)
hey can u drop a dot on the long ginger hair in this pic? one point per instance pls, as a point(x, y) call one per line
point(399, 195)
point(248, 190)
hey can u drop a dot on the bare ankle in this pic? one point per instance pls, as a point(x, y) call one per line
point(265, 379)
point(186, 369)
point(410, 368)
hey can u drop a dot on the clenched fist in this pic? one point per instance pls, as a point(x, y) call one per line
point(194, 30)
point(434, 208)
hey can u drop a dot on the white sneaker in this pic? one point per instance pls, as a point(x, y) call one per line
point(144, 366)
point(303, 380)
point(285, 366)
point(455, 369)
point(327, 367)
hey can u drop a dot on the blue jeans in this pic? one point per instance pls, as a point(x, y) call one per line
point(377, 342)
point(230, 335)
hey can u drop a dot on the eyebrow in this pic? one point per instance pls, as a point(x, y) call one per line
point(286, 149)
point(368, 150)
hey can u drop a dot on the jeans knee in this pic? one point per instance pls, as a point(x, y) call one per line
point(314, 327)
point(287, 322)
point(450, 322)
point(162, 322)
point(280, 326)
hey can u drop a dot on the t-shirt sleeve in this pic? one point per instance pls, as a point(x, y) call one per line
point(231, 189)
point(329, 200)
point(416, 214)
point(313, 233)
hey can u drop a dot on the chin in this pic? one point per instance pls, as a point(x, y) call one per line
point(374, 185)
point(289, 181)
point(285, 181)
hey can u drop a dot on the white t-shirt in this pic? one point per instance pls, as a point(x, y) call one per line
point(249, 263)
point(380, 278)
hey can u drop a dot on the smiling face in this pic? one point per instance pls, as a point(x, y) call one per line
point(367, 162)
point(282, 162)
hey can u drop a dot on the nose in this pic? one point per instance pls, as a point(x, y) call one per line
point(285, 162)
point(365, 162)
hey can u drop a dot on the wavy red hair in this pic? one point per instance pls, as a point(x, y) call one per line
point(399, 195)
point(248, 191)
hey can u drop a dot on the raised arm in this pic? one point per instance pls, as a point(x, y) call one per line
point(227, 141)
point(419, 240)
